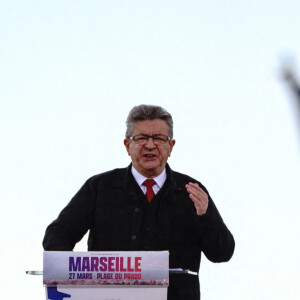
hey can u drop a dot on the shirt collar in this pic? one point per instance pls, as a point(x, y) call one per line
point(160, 179)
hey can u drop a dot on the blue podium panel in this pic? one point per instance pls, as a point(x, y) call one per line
point(118, 275)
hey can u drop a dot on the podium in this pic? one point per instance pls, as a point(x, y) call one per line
point(102, 275)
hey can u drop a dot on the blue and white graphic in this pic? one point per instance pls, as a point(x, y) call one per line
point(54, 294)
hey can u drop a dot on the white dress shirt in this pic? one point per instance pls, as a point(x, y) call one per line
point(139, 178)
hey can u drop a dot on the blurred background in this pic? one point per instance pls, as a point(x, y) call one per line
point(70, 71)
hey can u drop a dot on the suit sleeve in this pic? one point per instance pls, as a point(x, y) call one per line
point(217, 241)
point(73, 221)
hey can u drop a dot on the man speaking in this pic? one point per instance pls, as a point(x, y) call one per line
point(147, 206)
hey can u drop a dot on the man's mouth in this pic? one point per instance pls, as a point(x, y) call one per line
point(149, 155)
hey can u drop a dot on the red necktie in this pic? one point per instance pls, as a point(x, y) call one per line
point(148, 183)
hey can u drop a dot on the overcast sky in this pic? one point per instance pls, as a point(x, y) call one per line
point(70, 71)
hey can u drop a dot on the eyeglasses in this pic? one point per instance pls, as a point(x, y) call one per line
point(142, 139)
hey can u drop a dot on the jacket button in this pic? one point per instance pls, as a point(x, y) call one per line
point(133, 237)
point(136, 209)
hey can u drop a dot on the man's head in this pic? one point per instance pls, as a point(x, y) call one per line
point(149, 138)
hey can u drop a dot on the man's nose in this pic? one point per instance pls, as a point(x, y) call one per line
point(150, 143)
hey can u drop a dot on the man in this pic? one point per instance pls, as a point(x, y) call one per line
point(124, 212)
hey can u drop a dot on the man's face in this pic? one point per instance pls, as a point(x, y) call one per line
point(149, 159)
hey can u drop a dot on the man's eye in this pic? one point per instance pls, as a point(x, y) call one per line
point(141, 138)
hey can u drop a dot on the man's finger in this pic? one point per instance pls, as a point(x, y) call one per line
point(196, 191)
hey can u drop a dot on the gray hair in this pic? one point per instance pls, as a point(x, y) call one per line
point(148, 112)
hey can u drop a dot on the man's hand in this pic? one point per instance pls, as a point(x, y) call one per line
point(199, 197)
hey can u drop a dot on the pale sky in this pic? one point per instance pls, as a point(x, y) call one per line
point(70, 71)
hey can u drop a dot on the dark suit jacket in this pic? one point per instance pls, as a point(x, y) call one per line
point(112, 206)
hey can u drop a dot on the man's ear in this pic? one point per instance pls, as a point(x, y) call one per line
point(172, 143)
point(127, 144)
